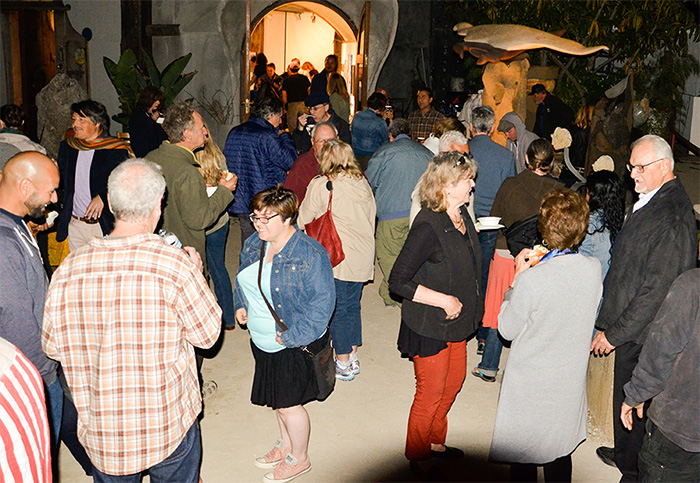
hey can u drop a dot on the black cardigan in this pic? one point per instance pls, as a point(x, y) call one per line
point(451, 265)
point(657, 243)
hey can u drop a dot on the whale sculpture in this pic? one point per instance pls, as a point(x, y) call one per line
point(498, 42)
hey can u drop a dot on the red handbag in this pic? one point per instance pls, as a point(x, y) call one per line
point(322, 229)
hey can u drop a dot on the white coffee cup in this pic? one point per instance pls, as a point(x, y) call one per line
point(489, 220)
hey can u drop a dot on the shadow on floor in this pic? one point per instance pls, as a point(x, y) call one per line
point(466, 469)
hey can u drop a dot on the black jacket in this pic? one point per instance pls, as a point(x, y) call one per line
point(656, 244)
point(552, 113)
point(303, 140)
point(145, 134)
point(439, 257)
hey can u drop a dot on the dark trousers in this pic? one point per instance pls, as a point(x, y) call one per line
point(558, 470)
point(216, 261)
point(487, 240)
point(662, 460)
point(247, 227)
point(627, 443)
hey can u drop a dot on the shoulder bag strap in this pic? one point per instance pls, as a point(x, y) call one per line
point(329, 187)
point(279, 322)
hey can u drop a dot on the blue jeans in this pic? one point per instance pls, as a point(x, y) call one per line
point(216, 250)
point(487, 240)
point(491, 357)
point(54, 406)
point(181, 466)
point(346, 323)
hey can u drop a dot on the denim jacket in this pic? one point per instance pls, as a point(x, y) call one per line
point(302, 286)
point(597, 243)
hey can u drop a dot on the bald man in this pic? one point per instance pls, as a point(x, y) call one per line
point(28, 184)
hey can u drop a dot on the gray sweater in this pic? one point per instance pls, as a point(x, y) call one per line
point(549, 315)
point(669, 365)
point(23, 286)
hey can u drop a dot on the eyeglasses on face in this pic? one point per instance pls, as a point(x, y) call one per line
point(641, 167)
point(262, 219)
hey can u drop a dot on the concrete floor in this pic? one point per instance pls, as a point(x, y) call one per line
point(358, 433)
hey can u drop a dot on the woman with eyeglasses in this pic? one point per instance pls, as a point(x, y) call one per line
point(548, 313)
point(284, 270)
point(353, 210)
point(437, 274)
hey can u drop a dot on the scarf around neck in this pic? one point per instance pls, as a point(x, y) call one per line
point(100, 143)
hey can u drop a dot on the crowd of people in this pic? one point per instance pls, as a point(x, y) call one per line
point(116, 334)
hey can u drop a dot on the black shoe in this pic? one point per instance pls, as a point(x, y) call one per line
point(449, 453)
point(476, 372)
point(606, 455)
point(480, 347)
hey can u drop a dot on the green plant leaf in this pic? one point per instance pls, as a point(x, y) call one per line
point(173, 71)
point(154, 74)
point(176, 88)
point(127, 61)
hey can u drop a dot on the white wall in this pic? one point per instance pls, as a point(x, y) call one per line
point(104, 19)
point(305, 39)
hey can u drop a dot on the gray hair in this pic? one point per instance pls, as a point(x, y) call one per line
point(659, 147)
point(268, 107)
point(133, 189)
point(324, 123)
point(483, 118)
point(177, 118)
point(450, 139)
point(399, 126)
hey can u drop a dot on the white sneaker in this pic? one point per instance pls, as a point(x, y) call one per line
point(344, 373)
point(355, 364)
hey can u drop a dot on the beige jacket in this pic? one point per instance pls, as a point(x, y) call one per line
point(354, 212)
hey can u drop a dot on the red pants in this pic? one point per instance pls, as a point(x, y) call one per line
point(438, 380)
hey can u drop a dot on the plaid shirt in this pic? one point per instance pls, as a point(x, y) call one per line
point(122, 316)
point(422, 124)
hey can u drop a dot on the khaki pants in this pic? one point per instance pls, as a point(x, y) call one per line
point(293, 111)
point(80, 233)
point(391, 235)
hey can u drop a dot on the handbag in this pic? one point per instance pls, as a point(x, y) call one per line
point(322, 229)
point(522, 234)
point(322, 359)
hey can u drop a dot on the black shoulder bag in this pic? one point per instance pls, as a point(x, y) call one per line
point(522, 234)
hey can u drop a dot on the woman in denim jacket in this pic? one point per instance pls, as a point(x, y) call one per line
point(606, 200)
point(297, 280)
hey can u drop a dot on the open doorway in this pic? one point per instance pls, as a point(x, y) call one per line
point(308, 31)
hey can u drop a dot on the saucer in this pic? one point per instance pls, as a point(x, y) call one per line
point(481, 227)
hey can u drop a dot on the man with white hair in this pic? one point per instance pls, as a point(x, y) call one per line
point(123, 316)
point(657, 243)
point(393, 172)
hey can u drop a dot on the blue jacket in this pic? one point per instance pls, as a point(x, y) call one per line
point(369, 132)
point(302, 286)
point(259, 157)
point(393, 172)
point(496, 164)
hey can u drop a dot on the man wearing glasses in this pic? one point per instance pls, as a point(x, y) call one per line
point(319, 111)
point(657, 243)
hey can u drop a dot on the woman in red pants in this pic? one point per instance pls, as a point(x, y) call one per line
point(437, 274)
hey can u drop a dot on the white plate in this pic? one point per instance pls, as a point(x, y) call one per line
point(479, 226)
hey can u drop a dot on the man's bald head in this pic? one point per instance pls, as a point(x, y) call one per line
point(28, 184)
point(322, 132)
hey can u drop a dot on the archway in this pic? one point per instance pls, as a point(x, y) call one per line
point(306, 30)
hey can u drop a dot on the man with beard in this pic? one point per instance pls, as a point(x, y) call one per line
point(28, 184)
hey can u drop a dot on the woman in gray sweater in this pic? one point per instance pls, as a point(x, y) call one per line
point(548, 313)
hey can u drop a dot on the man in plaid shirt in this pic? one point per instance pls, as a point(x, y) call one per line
point(123, 315)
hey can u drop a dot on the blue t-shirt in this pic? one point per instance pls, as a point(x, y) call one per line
point(261, 325)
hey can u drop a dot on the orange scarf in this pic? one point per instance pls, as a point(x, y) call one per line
point(100, 143)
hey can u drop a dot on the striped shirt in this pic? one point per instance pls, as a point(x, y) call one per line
point(25, 447)
point(122, 316)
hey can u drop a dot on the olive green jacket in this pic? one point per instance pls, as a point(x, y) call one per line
point(187, 210)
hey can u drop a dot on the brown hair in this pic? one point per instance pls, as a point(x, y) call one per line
point(444, 170)
point(178, 118)
point(150, 95)
point(449, 124)
point(278, 199)
point(540, 155)
point(563, 218)
point(337, 159)
point(336, 83)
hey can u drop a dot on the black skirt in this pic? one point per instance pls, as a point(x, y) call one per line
point(286, 378)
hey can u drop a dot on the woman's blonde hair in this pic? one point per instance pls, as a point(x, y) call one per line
point(210, 159)
point(445, 169)
point(337, 159)
point(336, 83)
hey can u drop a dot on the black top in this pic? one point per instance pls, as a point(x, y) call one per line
point(437, 256)
point(145, 134)
point(297, 87)
point(302, 140)
point(17, 219)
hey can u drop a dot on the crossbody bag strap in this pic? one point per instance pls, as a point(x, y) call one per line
point(279, 322)
point(329, 187)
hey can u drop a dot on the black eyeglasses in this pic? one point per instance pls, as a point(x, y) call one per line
point(262, 219)
point(641, 167)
